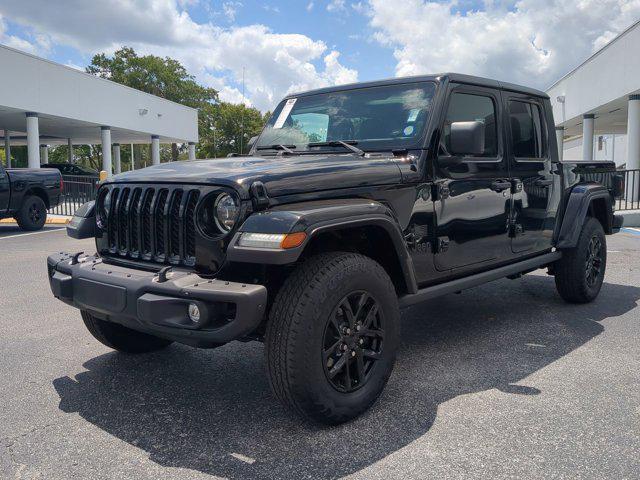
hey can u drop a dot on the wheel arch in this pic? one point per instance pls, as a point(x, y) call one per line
point(38, 192)
point(591, 200)
point(355, 225)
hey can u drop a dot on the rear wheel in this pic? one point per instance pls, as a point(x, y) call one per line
point(121, 338)
point(332, 337)
point(32, 214)
point(580, 272)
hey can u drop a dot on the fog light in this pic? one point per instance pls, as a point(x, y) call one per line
point(194, 313)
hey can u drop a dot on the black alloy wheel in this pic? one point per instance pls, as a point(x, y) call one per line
point(353, 341)
point(35, 212)
point(593, 264)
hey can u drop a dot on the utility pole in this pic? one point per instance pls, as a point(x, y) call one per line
point(242, 115)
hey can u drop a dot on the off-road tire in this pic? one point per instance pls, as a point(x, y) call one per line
point(32, 214)
point(121, 338)
point(296, 333)
point(571, 270)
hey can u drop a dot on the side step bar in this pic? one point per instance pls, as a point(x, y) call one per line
point(477, 279)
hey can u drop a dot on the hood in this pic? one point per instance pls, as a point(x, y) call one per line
point(281, 175)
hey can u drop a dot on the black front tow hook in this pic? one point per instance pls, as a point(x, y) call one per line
point(162, 274)
point(75, 258)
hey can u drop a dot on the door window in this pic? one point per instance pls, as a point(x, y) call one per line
point(466, 107)
point(527, 134)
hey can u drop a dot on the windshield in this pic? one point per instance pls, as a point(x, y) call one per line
point(374, 118)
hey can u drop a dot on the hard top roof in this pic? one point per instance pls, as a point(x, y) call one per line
point(438, 78)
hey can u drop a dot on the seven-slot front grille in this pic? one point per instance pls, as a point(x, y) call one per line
point(153, 223)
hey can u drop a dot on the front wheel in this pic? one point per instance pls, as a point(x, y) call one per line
point(332, 337)
point(580, 272)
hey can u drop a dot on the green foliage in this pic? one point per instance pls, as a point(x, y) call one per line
point(163, 77)
point(223, 127)
point(226, 128)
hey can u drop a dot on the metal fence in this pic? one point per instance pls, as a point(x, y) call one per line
point(76, 190)
point(631, 198)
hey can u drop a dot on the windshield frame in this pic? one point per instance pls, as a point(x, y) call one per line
point(418, 141)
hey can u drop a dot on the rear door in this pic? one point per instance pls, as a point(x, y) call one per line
point(532, 171)
point(5, 190)
point(473, 193)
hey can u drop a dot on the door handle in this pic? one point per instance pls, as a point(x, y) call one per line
point(542, 183)
point(500, 185)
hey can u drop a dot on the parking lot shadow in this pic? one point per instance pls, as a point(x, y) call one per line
point(212, 411)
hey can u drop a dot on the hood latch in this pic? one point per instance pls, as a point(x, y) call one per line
point(259, 196)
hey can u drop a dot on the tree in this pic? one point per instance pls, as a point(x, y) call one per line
point(226, 128)
point(163, 77)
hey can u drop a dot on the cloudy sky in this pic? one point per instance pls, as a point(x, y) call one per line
point(290, 45)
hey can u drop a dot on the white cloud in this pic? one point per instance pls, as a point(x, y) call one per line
point(230, 9)
point(336, 6)
point(38, 45)
point(309, 6)
point(274, 63)
point(527, 41)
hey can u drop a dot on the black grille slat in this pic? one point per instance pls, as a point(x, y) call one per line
point(175, 225)
point(160, 216)
point(133, 245)
point(112, 225)
point(190, 227)
point(153, 223)
point(146, 239)
point(123, 220)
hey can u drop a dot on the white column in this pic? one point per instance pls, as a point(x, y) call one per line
point(192, 151)
point(155, 149)
point(116, 158)
point(633, 133)
point(560, 141)
point(106, 150)
point(133, 159)
point(70, 148)
point(588, 122)
point(33, 140)
point(633, 145)
point(7, 147)
point(44, 154)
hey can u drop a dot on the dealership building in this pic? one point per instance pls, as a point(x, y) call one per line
point(596, 106)
point(43, 103)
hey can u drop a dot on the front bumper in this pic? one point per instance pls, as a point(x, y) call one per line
point(138, 300)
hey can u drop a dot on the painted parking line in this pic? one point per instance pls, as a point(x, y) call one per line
point(32, 233)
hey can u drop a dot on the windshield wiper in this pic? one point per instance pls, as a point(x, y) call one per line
point(349, 144)
point(278, 146)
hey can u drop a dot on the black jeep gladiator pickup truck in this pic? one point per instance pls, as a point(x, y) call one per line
point(354, 202)
point(26, 194)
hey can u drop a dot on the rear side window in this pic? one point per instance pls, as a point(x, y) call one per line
point(466, 107)
point(527, 134)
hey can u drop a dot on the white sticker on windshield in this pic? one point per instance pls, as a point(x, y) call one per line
point(413, 114)
point(284, 114)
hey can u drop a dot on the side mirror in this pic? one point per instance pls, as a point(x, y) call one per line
point(252, 141)
point(467, 138)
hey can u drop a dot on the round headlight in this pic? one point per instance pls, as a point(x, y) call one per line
point(227, 211)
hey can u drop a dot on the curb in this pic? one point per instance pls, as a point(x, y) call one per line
point(49, 221)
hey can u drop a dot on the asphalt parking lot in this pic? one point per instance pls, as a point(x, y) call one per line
point(501, 381)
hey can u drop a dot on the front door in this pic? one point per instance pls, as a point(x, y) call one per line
point(4, 189)
point(532, 172)
point(473, 193)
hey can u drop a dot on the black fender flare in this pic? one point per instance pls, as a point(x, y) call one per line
point(577, 207)
point(315, 218)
